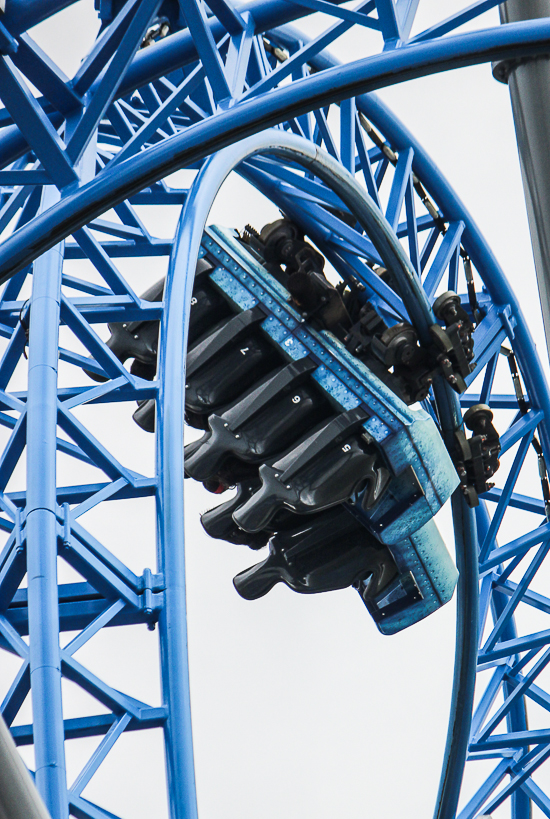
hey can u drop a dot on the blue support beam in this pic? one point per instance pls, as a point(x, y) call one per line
point(159, 131)
point(41, 534)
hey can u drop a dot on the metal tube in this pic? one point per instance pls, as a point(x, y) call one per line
point(19, 798)
point(170, 466)
point(41, 530)
point(529, 83)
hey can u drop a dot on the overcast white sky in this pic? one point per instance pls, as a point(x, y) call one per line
point(300, 707)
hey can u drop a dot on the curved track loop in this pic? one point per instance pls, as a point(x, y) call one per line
point(128, 118)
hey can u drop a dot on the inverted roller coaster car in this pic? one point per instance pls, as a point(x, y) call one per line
point(332, 468)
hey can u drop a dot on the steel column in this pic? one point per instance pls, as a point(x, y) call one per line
point(41, 530)
point(529, 83)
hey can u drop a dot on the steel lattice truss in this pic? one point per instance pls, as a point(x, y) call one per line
point(102, 141)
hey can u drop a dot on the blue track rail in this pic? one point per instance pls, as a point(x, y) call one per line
point(105, 139)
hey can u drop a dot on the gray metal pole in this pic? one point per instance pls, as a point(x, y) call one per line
point(529, 83)
point(19, 798)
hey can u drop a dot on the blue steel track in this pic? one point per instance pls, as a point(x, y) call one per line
point(340, 82)
point(55, 183)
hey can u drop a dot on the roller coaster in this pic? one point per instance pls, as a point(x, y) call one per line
point(346, 369)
